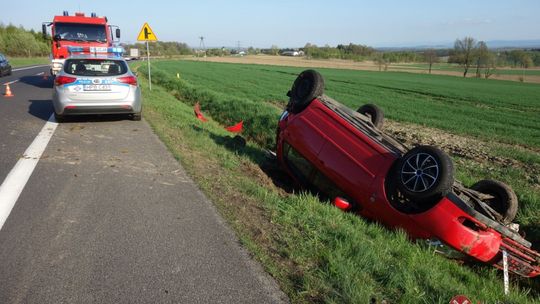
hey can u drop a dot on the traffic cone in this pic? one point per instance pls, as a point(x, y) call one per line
point(8, 91)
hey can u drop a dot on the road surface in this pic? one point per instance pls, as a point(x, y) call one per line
point(108, 215)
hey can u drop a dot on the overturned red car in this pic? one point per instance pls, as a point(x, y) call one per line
point(343, 155)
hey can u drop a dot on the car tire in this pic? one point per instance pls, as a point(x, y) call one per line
point(136, 116)
point(58, 117)
point(308, 85)
point(10, 72)
point(505, 201)
point(374, 113)
point(425, 174)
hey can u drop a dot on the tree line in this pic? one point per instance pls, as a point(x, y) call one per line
point(161, 48)
point(472, 54)
point(467, 52)
point(18, 42)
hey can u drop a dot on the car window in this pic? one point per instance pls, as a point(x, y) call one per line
point(95, 67)
point(308, 174)
point(301, 166)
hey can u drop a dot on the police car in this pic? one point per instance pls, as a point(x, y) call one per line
point(96, 81)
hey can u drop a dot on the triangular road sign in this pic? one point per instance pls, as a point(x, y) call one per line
point(146, 34)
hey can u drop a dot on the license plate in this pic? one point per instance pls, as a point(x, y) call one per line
point(97, 87)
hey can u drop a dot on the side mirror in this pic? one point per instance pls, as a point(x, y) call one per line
point(44, 30)
point(57, 37)
point(118, 33)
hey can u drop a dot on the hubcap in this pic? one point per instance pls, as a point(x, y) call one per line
point(420, 172)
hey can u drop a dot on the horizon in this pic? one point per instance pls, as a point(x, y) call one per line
point(292, 25)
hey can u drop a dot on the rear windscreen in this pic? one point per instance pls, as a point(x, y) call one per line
point(95, 67)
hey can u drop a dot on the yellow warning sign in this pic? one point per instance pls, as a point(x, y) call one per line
point(146, 34)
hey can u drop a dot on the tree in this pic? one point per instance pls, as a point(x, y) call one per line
point(491, 64)
point(379, 60)
point(275, 50)
point(464, 53)
point(482, 56)
point(430, 56)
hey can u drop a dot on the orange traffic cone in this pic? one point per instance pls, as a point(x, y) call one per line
point(8, 91)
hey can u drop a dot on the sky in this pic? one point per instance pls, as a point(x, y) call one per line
point(294, 23)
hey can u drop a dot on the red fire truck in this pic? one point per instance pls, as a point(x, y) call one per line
point(78, 31)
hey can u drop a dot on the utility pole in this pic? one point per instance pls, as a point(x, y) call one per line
point(201, 45)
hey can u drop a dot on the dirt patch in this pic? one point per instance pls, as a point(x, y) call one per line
point(460, 146)
point(343, 64)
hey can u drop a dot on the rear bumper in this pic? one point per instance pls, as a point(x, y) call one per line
point(98, 109)
point(132, 104)
point(478, 238)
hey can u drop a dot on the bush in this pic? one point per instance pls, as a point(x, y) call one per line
point(16, 41)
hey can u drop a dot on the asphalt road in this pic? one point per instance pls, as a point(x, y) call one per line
point(109, 216)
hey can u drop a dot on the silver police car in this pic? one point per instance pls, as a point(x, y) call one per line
point(96, 84)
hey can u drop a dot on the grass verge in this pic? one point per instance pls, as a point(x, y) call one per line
point(24, 61)
point(315, 252)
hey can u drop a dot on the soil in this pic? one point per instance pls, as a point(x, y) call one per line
point(343, 64)
point(460, 146)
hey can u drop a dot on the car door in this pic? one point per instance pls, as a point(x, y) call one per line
point(349, 158)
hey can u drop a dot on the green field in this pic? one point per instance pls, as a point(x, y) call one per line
point(317, 253)
point(24, 61)
point(510, 111)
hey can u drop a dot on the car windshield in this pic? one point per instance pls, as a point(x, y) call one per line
point(95, 67)
point(81, 32)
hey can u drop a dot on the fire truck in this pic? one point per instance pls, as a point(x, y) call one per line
point(78, 31)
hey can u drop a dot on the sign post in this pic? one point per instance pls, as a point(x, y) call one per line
point(147, 34)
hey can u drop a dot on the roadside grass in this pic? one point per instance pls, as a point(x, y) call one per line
point(497, 110)
point(316, 252)
point(25, 61)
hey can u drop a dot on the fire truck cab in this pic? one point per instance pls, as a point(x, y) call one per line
point(78, 31)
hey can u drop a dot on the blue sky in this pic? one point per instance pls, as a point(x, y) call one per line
point(294, 23)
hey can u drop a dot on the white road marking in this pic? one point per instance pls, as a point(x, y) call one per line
point(16, 180)
point(11, 82)
point(28, 68)
point(40, 73)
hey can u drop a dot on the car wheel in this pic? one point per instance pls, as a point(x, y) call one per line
point(504, 199)
point(425, 174)
point(58, 117)
point(374, 113)
point(307, 86)
point(10, 72)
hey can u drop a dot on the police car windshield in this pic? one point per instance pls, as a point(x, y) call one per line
point(80, 32)
point(95, 67)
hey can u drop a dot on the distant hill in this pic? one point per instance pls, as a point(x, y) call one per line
point(492, 44)
point(497, 44)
